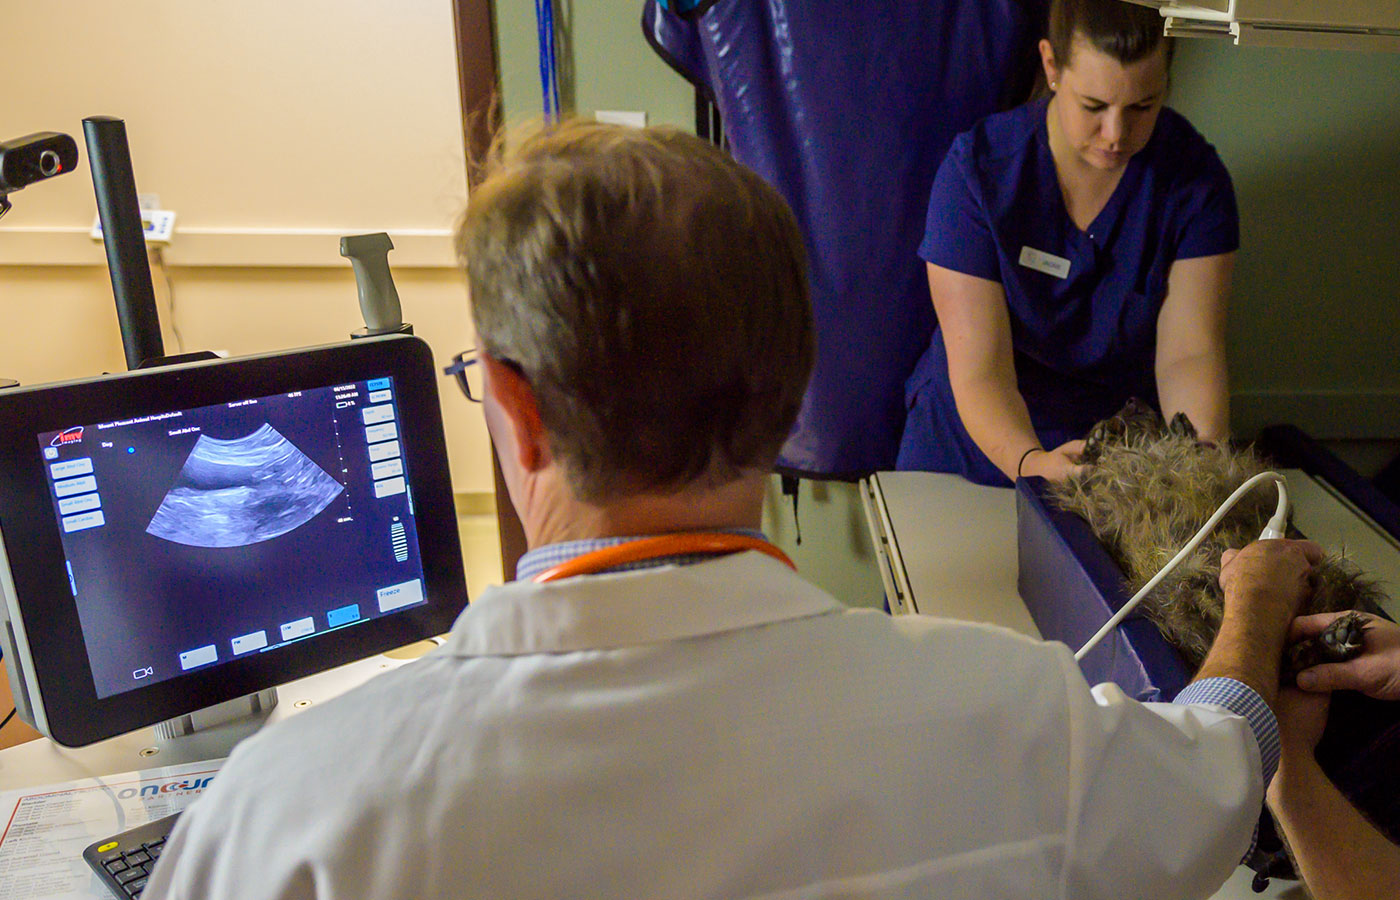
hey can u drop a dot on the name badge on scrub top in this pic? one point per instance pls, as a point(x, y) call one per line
point(1048, 263)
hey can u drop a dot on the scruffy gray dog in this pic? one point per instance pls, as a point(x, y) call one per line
point(1146, 489)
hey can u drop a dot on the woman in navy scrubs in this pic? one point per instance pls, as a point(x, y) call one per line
point(1079, 252)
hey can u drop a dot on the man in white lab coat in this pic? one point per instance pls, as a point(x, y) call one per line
point(684, 716)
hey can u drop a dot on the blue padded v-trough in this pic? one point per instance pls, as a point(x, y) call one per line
point(1071, 586)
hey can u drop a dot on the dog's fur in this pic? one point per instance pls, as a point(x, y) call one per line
point(1146, 489)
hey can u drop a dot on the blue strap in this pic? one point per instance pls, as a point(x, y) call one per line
point(549, 69)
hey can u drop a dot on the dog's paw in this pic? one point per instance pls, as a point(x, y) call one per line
point(1344, 639)
point(1180, 426)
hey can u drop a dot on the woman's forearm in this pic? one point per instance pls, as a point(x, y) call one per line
point(976, 333)
point(1198, 386)
point(1339, 854)
point(995, 416)
point(1192, 374)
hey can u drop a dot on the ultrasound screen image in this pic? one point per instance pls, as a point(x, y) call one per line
point(242, 491)
point(196, 536)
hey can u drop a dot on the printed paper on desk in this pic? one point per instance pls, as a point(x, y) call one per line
point(44, 830)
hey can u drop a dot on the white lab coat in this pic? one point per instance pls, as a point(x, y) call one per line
point(723, 730)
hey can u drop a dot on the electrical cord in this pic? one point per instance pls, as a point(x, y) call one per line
point(1274, 529)
point(8, 718)
point(157, 256)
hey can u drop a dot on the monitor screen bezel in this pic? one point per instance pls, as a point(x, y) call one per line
point(59, 671)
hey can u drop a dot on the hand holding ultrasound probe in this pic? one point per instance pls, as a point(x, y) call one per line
point(1339, 854)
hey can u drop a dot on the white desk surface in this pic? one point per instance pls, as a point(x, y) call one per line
point(43, 762)
point(952, 550)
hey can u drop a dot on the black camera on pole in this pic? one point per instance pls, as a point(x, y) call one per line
point(35, 157)
point(32, 158)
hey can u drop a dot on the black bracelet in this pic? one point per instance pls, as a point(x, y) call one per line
point(1023, 459)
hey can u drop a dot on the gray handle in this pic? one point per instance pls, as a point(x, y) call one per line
point(379, 299)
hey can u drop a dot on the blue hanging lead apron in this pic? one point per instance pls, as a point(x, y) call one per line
point(848, 109)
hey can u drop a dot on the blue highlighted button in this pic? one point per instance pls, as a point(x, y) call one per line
point(343, 616)
point(377, 384)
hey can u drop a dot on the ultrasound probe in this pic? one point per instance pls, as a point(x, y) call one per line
point(1274, 529)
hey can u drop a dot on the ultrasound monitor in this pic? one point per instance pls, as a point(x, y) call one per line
point(175, 538)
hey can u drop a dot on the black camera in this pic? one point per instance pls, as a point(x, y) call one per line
point(35, 157)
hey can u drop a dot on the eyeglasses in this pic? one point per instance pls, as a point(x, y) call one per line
point(465, 370)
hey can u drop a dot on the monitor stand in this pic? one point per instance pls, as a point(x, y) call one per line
point(43, 762)
point(250, 706)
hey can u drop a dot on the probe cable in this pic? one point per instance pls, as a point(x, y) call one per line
point(1274, 529)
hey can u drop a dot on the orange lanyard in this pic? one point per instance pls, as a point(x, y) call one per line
point(658, 547)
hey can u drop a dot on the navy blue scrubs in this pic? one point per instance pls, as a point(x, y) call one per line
point(1083, 304)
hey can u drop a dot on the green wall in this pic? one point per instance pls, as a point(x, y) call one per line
point(604, 62)
point(1312, 140)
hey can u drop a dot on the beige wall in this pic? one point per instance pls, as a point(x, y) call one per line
point(271, 128)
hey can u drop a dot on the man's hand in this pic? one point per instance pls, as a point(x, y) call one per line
point(1375, 673)
point(1264, 585)
point(1271, 577)
point(1339, 854)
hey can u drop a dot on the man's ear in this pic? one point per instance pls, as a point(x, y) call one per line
point(510, 392)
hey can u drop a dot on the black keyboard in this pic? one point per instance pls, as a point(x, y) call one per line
point(124, 861)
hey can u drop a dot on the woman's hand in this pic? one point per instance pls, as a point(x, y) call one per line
point(1054, 465)
point(1375, 673)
